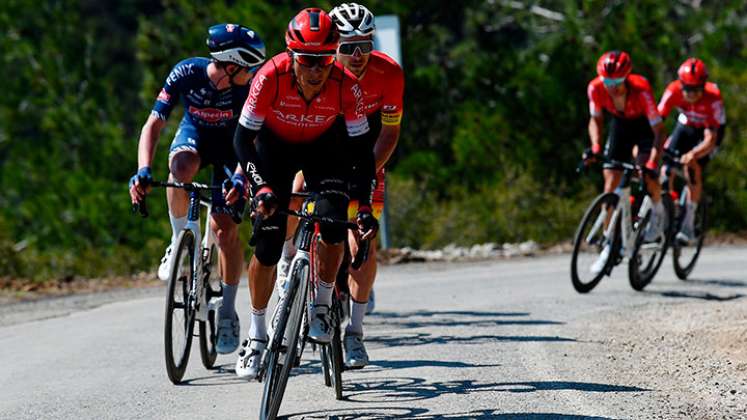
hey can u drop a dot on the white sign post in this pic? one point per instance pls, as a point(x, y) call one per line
point(387, 40)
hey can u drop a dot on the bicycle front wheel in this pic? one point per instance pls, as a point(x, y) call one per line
point(647, 257)
point(335, 362)
point(589, 243)
point(684, 256)
point(180, 314)
point(284, 346)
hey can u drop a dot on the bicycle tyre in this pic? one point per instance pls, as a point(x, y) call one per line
point(179, 284)
point(288, 326)
point(682, 269)
point(336, 362)
point(325, 357)
point(207, 329)
point(638, 278)
point(587, 221)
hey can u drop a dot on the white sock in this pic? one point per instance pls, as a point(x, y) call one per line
point(289, 251)
point(257, 328)
point(357, 312)
point(659, 208)
point(177, 224)
point(324, 293)
point(690, 215)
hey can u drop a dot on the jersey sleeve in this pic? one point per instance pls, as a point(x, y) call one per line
point(169, 95)
point(595, 105)
point(261, 94)
point(718, 114)
point(667, 100)
point(353, 108)
point(391, 109)
point(649, 105)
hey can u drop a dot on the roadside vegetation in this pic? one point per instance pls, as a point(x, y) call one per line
point(495, 117)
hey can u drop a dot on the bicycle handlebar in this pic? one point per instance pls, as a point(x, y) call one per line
point(142, 208)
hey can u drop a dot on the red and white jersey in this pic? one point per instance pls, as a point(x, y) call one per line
point(707, 112)
point(383, 86)
point(638, 103)
point(275, 102)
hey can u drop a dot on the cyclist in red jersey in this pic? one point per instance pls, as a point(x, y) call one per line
point(292, 120)
point(698, 132)
point(628, 99)
point(382, 81)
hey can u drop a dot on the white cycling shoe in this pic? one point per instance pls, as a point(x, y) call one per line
point(228, 334)
point(356, 356)
point(601, 260)
point(685, 235)
point(250, 358)
point(320, 328)
point(164, 270)
point(654, 229)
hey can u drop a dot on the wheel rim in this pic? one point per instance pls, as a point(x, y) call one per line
point(590, 241)
point(180, 314)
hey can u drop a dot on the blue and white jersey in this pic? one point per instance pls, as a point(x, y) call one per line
point(204, 106)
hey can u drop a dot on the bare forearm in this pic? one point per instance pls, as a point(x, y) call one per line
point(385, 145)
point(595, 132)
point(707, 145)
point(149, 136)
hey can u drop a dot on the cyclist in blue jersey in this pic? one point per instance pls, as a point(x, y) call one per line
point(213, 91)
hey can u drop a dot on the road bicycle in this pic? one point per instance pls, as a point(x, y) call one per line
point(289, 323)
point(331, 354)
point(619, 220)
point(684, 254)
point(193, 291)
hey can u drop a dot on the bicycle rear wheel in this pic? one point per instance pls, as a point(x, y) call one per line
point(208, 328)
point(284, 346)
point(685, 256)
point(180, 315)
point(589, 242)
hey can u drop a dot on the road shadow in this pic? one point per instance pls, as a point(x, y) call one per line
point(419, 339)
point(424, 319)
point(408, 389)
point(220, 375)
point(694, 295)
point(381, 413)
point(381, 365)
point(716, 282)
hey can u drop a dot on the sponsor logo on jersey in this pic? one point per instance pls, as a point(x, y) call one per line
point(302, 120)
point(251, 102)
point(164, 96)
point(178, 72)
point(211, 114)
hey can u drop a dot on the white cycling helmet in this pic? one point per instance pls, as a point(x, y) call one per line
point(352, 19)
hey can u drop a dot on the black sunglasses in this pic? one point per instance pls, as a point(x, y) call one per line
point(348, 48)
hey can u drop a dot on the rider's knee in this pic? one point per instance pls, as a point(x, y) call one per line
point(226, 235)
point(335, 207)
point(184, 166)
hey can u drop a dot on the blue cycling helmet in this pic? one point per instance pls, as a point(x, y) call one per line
point(235, 44)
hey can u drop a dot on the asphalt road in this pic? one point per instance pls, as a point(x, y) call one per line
point(500, 339)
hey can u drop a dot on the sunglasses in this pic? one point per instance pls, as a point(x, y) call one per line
point(312, 60)
point(613, 82)
point(348, 48)
point(692, 88)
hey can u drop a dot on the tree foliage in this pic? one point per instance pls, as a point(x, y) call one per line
point(495, 115)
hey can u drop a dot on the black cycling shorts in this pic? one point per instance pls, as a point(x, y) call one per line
point(624, 135)
point(326, 165)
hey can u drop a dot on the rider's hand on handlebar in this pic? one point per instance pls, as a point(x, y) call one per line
point(590, 154)
point(265, 203)
point(687, 158)
point(140, 184)
point(235, 189)
point(367, 223)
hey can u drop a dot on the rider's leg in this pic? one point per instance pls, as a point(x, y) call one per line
point(289, 248)
point(231, 260)
point(361, 283)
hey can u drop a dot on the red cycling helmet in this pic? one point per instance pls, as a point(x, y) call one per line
point(312, 31)
point(693, 72)
point(614, 65)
